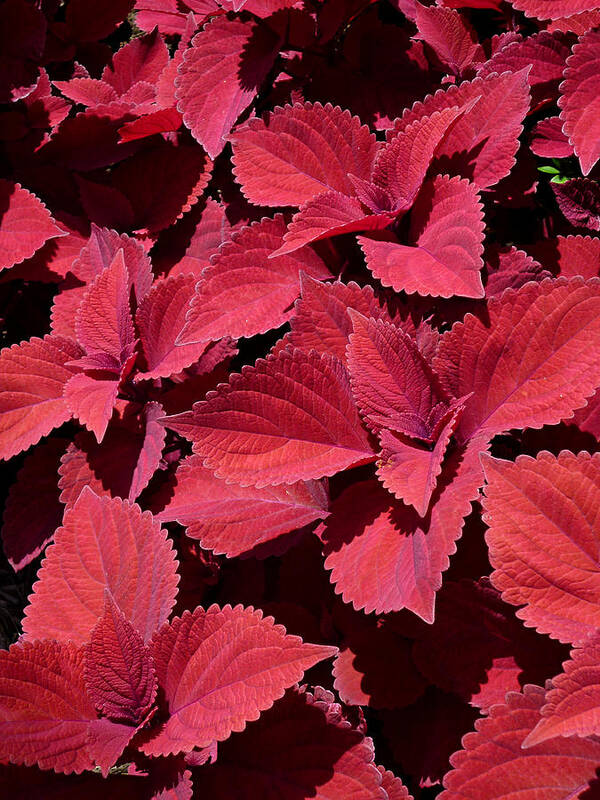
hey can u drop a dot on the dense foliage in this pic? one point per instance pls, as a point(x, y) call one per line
point(300, 399)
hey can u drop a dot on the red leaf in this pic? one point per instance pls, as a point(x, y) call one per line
point(123, 465)
point(87, 91)
point(553, 9)
point(326, 215)
point(545, 52)
point(45, 712)
point(220, 76)
point(290, 417)
point(244, 291)
point(162, 121)
point(579, 100)
point(576, 23)
point(549, 141)
point(27, 527)
point(449, 34)
point(447, 231)
point(322, 321)
point(494, 765)
point(483, 141)
point(578, 255)
point(531, 362)
point(410, 469)
point(103, 323)
point(104, 543)
point(141, 59)
point(393, 786)
point(106, 742)
point(572, 706)
point(401, 167)
point(579, 201)
point(210, 233)
point(160, 319)
point(297, 152)
point(34, 374)
point(550, 567)
point(301, 748)
point(92, 398)
point(232, 519)
point(391, 381)
point(119, 673)
point(232, 665)
point(25, 224)
point(383, 556)
point(509, 267)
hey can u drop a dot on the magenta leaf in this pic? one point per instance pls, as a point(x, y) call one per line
point(244, 291)
point(290, 417)
point(233, 664)
point(446, 234)
point(549, 568)
point(579, 201)
point(119, 674)
point(449, 34)
point(220, 76)
point(103, 544)
point(297, 152)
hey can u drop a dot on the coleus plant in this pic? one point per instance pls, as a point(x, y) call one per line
point(301, 383)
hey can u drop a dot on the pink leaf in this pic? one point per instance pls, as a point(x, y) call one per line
point(410, 469)
point(449, 34)
point(290, 417)
point(447, 231)
point(104, 543)
point(106, 741)
point(572, 706)
point(244, 291)
point(119, 673)
point(45, 712)
point(297, 152)
point(303, 747)
point(87, 91)
point(233, 664)
point(34, 374)
point(25, 224)
point(579, 100)
point(483, 141)
point(391, 381)
point(326, 215)
point(220, 76)
point(232, 519)
point(160, 319)
point(322, 321)
point(394, 788)
point(383, 556)
point(531, 362)
point(162, 121)
point(493, 764)
point(27, 527)
point(549, 567)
